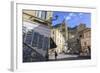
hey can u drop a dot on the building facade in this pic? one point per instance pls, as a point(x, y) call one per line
point(74, 43)
point(85, 38)
point(59, 34)
point(36, 35)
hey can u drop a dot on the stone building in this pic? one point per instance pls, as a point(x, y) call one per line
point(85, 38)
point(59, 34)
point(74, 43)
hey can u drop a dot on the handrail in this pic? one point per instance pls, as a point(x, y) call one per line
point(32, 49)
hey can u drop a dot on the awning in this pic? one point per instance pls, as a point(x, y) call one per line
point(52, 43)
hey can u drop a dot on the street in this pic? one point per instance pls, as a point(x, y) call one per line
point(63, 56)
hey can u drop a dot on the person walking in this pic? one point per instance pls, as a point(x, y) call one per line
point(46, 56)
point(55, 55)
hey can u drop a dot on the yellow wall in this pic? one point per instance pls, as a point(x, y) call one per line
point(58, 39)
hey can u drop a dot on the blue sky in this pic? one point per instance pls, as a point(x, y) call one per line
point(72, 18)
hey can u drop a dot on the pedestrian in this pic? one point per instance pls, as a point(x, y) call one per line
point(55, 55)
point(46, 57)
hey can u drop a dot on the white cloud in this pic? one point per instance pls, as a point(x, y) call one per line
point(72, 14)
point(67, 18)
point(80, 13)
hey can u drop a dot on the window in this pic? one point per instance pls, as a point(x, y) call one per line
point(46, 43)
point(84, 43)
point(35, 39)
point(80, 36)
point(40, 41)
point(43, 15)
point(28, 37)
point(38, 14)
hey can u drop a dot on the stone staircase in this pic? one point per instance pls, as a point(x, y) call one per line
point(31, 55)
